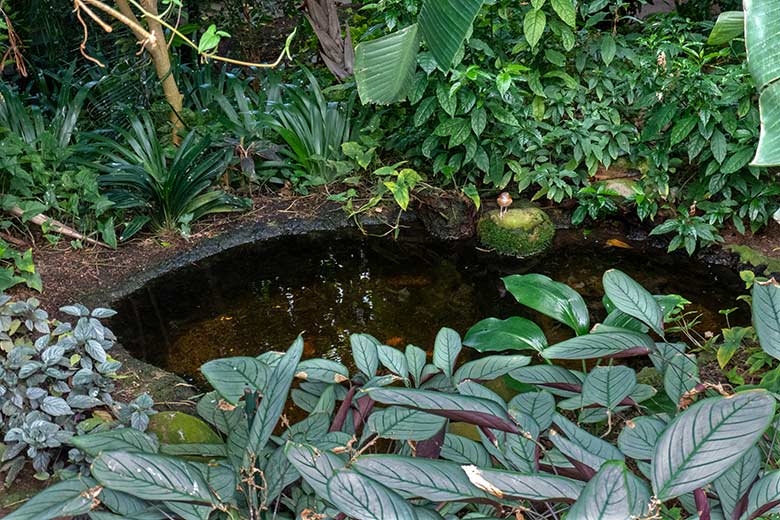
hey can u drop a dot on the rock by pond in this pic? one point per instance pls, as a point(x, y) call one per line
point(521, 232)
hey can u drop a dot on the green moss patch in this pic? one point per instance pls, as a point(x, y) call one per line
point(522, 232)
point(748, 255)
point(180, 428)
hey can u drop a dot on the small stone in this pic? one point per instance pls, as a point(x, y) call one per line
point(181, 428)
point(521, 232)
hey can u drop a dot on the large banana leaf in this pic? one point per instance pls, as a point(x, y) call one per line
point(384, 68)
point(706, 440)
point(762, 30)
point(730, 25)
point(444, 25)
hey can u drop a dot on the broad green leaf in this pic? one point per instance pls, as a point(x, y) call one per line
point(556, 380)
point(764, 496)
point(434, 480)
point(365, 353)
point(609, 344)
point(231, 376)
point(766, 316)
point(489, 368)
point(50, 502)
point(322, 370)
point(315, 466)
point(608, 386)
point(194, 449)
point(415, 361)
point(221, 417)
point(362, 498)
point(614, 493)
point(682, 128)
point(639, 436)
point(538, 405)
point(681, 376)
point(516, 333)
point(272, 403)
point(533, 26)
point(399, 423)
point(444, 25)
point(633, 299)
point(190, 511)
point(590, 443)
point(446, 349)
point(538, 487)
point(393, 360)
point(707, 439)
point(730, 25)
point(384, 67)
point(121, 439)
point(553, 299)
point(474, 410)
point(734, 484)
point(762, 30)
point(608, 48)
point(464, 451)
point(565, 11)
point(152, 477)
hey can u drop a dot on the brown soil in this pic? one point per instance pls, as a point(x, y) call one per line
point(70, 274)
point(767, 241)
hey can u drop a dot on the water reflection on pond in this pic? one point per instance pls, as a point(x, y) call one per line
point(259, 297)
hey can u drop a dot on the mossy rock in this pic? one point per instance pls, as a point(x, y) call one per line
point(181, 428)
point(522, 232)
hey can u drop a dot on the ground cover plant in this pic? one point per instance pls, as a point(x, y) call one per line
point(379, 436)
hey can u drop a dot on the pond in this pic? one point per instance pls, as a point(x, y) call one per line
point(259, 297)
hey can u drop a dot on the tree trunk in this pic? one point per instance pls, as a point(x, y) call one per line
point(158, 50)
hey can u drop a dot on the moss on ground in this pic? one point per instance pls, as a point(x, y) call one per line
point(748, 255)
point(522, 232)
point(181, 428)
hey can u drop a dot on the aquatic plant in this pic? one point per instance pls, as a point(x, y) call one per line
point(387, 440)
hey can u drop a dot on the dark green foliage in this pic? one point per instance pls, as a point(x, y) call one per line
point(44, 160)
point(378, 442)
point(170, 190)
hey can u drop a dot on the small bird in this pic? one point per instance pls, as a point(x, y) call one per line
point(504, 201)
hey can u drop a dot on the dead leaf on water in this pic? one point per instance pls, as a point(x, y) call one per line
point(614, 242)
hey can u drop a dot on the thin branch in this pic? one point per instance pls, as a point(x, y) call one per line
point(210, 55)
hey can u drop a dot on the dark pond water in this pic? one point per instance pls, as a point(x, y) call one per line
point(259, 297)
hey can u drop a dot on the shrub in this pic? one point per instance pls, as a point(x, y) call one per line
point(52, 376)
point(168, 190)
point(45, 162)
point(699, 447)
